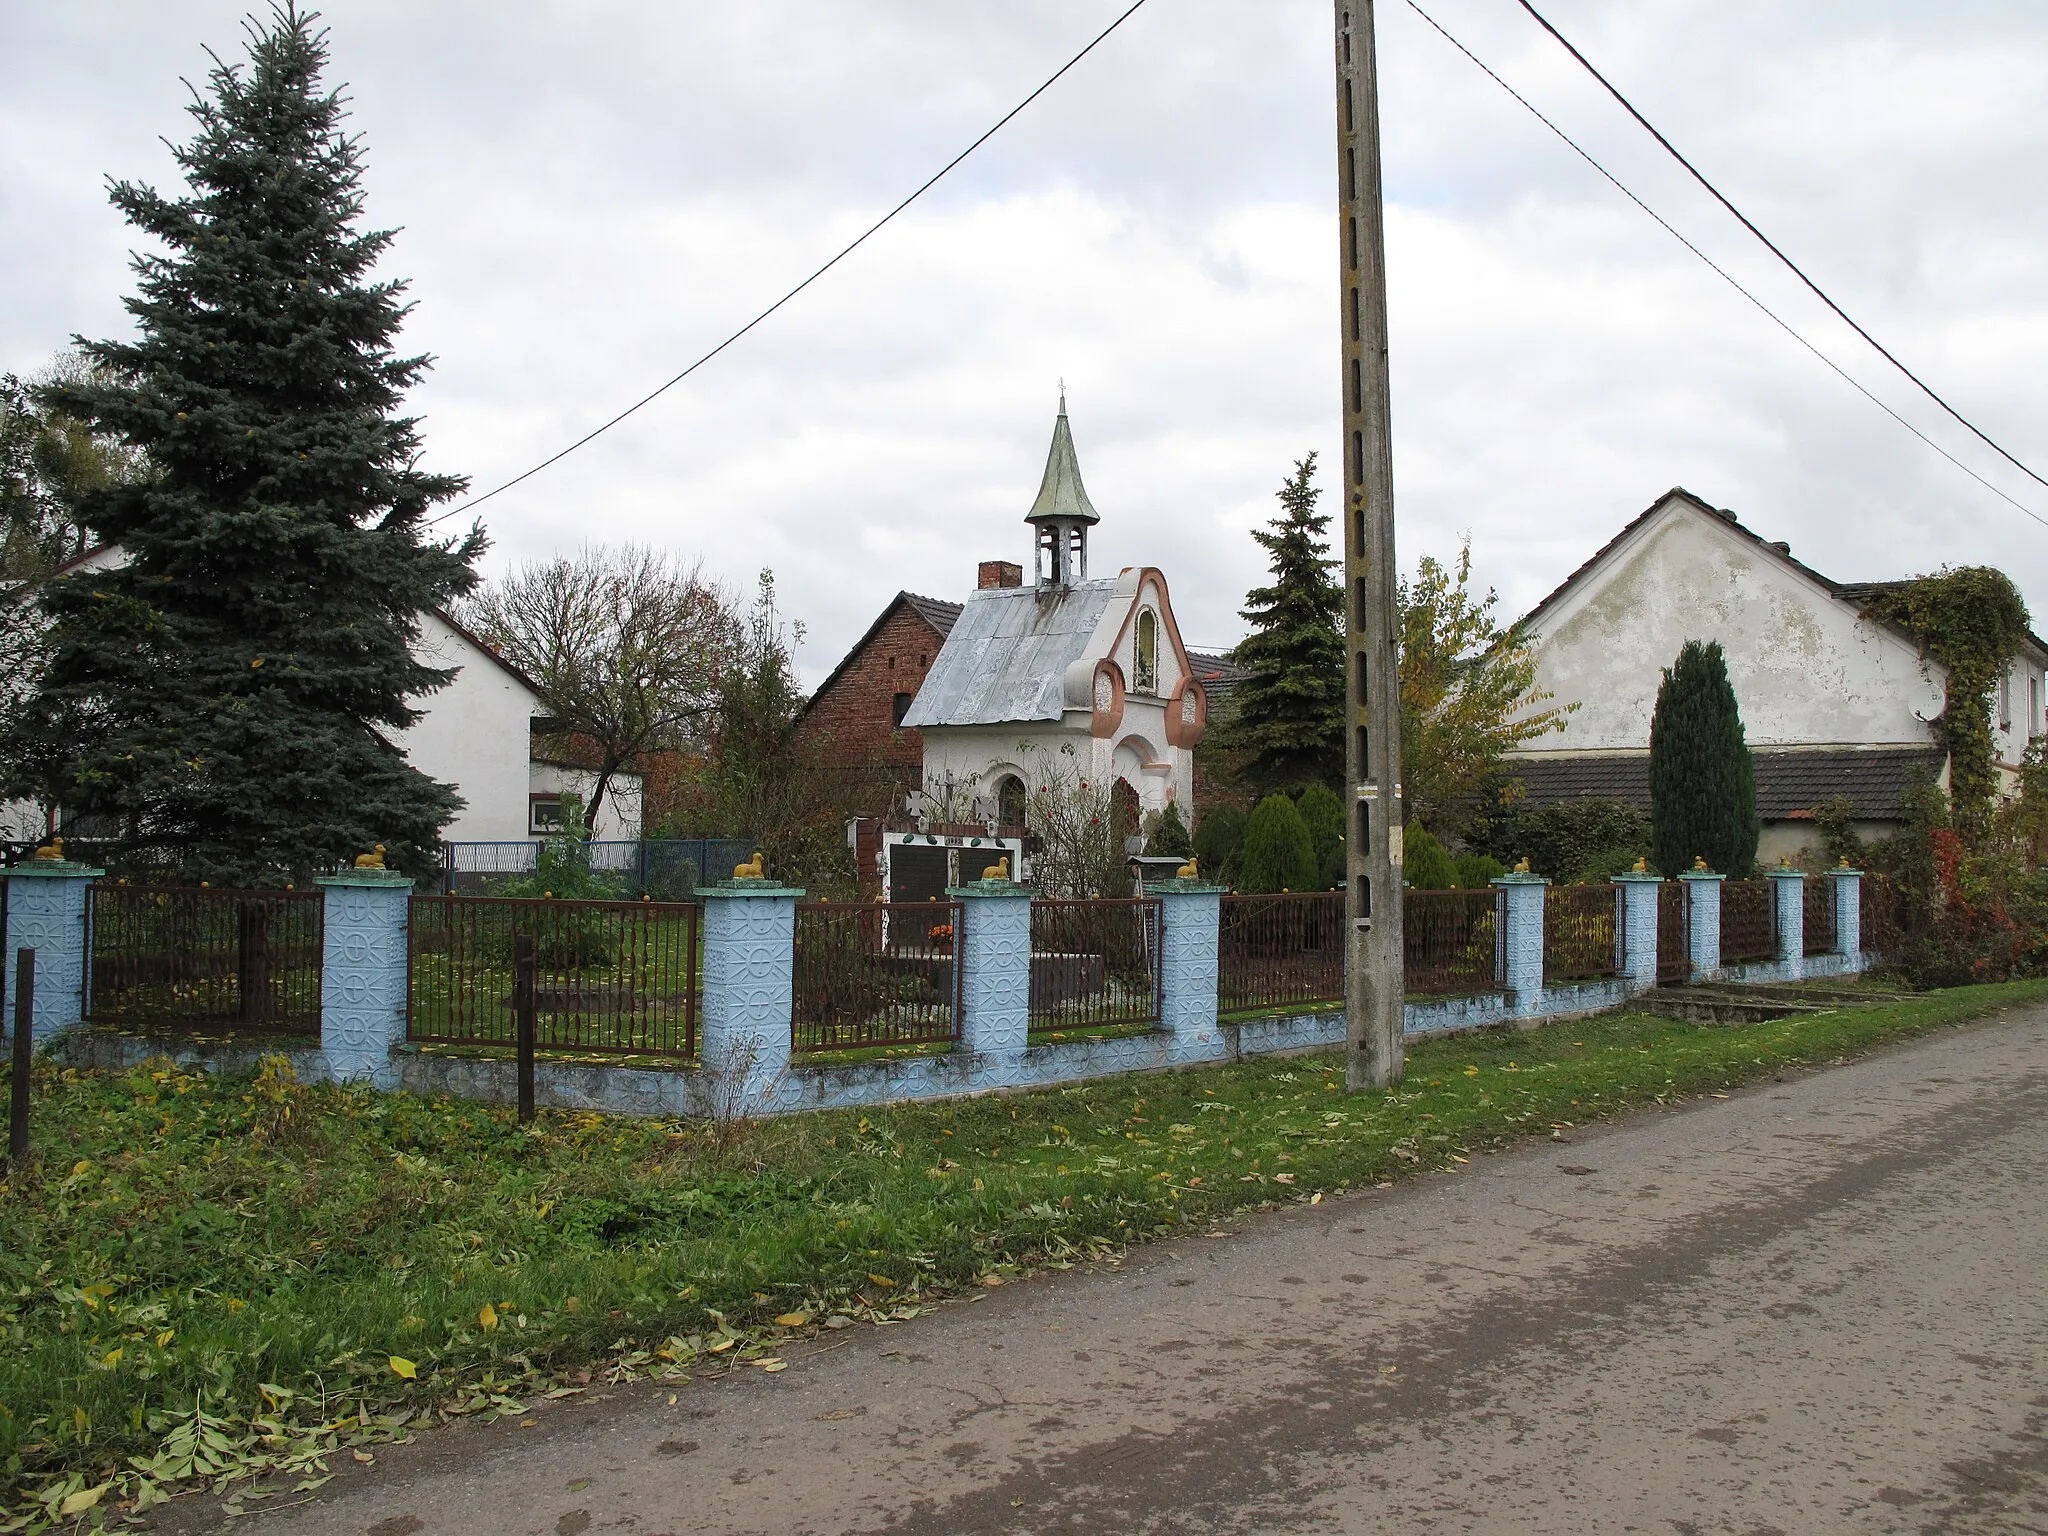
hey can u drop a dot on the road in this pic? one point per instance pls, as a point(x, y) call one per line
point(1815, 1306)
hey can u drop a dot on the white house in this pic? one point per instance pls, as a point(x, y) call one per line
point(1070, 678)
point(477, 735)
point(1833, 702)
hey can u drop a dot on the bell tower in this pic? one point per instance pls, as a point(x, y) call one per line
point(1062, 514)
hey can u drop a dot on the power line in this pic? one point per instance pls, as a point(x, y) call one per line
point(1771, 246)
point(848, 250)
point(1721, 272)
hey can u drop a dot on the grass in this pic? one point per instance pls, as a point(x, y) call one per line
point(284, 1268)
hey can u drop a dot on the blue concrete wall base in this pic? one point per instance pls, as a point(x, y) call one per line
point(1191, 922)
point(1522, 943)
point(46, 912)
point(366, 916)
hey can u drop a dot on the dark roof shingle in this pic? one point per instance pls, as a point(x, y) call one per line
point(1789, 781)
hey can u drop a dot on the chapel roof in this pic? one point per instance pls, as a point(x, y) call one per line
point(1007, 657)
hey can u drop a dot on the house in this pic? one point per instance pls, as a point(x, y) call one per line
point(1834, 702)
point(477, 734)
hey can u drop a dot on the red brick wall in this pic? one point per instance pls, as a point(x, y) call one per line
point(856, 710)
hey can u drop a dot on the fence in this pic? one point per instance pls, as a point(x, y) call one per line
point(1094, 963)
point(875, 973)
point(1674, 933)
point(666, 868)
point(1280, 952)
point(1749, 921)
point(1450, 941)
point(1889, 917)
point(618, 977)
point(242, 961)
point(1819, 897)
point(1581, 932)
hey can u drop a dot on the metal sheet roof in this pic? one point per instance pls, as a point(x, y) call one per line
point(1008, 654)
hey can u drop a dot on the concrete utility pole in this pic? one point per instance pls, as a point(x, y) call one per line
point(1372, 694)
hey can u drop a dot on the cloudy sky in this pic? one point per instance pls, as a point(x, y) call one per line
point(591, 194)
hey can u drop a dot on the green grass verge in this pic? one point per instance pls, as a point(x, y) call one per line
point(254, 1266)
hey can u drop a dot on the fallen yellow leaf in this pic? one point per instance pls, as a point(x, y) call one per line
point(81, 1501)
point(883, 1280)
point(487, 1317)
point(405, 1367)
point(792, 1319)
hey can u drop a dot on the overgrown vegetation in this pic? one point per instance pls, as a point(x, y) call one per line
point(1570, 841)
point(209, 1279)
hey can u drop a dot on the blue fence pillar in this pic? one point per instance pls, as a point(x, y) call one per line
point(1191, 925)
point(1848, 909)
point(749, 972)
point(1788, 887)
point(1703, 906)
point(46, 912)
point(1639, 929)
point(1522, 940)
point(995, 958)
point(366, 916)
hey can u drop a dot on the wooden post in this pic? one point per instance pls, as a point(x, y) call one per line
point(24, 1055)
point(1372, 714)
point(522, 1008)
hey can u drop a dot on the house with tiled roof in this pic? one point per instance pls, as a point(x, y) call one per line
point(1834, 701)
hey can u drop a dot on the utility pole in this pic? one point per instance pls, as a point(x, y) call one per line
point(1372, 691)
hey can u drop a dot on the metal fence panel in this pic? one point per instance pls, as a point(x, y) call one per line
point(1581, 932)
point(1450, 942)
point(233, 961)
point(618, 977)
point(1674, 933)
point(876, 973)
point(1749, 921)
point(663, 868)
point(1280, 952)
point(1890, 918)
point(1094, 963)
point(1820, 915)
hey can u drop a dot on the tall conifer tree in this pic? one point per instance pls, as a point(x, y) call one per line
point(1289, 709)
point(227, 699)
point(1702, 780)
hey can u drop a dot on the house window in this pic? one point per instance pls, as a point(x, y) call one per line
point(1145, 675)
point(2033, 707)
point(543, 814)
point(2005, 702)
point(899, 706)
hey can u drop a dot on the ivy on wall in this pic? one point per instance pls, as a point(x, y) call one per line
point(1972, 620)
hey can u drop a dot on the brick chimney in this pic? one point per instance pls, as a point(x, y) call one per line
point(998, 573)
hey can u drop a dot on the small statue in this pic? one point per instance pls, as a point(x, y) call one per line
point(1186, 871)
point(372, 860)
point(1784, 861)
point(1522, 865)
point(1699, 862)
point(751, 870)
point(1843, 862)
point(1000, 870)
point(1640, 867)
point(53, 849)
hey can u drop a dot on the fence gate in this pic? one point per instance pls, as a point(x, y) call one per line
point(1674, 933)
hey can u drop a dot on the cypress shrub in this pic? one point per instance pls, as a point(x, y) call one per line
point(1476, 871)
point(1702, 782)
point(1278, 853)
point(1323, 814)
point(1426, 863)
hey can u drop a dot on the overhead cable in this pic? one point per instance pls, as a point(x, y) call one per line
point(1772, 246)
point(847, 250)
point(1722, 272)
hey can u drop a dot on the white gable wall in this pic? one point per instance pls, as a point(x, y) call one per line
point(474, 734)
point(1806, 669)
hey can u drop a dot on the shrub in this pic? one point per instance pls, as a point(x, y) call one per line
point(1323, 814)
point(1426, 862)
point(1169, 836)
point(1278, 853)
point(1219, 839)
point(1561, 838)
point(1476, 871)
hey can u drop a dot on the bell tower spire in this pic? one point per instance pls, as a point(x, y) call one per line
point(1062, 514)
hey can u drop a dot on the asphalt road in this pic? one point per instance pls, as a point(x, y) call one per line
point(1815, 1306)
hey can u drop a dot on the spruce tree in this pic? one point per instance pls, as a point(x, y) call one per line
point(226, 701)
point(1289, 709)
point(1702, 781)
